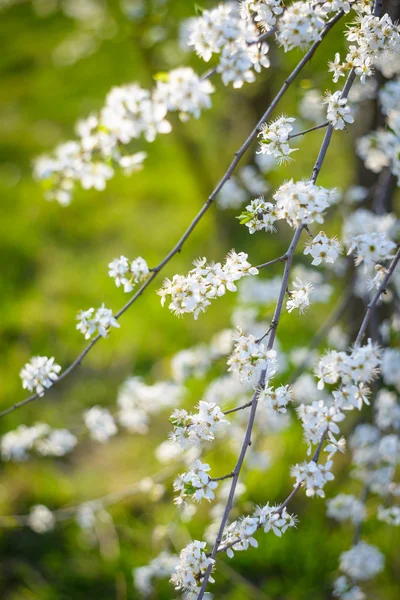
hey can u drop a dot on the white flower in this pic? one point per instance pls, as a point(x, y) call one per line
point(362, 562)
point(372, 248)
point(207, 281)
point(274, 139)
point(300, 25)
point(58, 442)
point(191, 429)
point(39, 374)
point(161, 566)
point(241, 534)
point(183, 91)
point(346, 506)
point(345, 590)
point(128, 273)
point(221, 31)
point(276, 399)
point(16, 444)
point(271, 518)
point(259, 215)
point(390, 515)
point(193, 562)
point(322, 248)
point(195, 484)
point(100, 423)
point(91, 321)
point(339, 113)
point(41, 519)
point(302, 202)
point(314, 476)
point(263, 12)
point(250, 358)
point(300, 296)
point(318, 417)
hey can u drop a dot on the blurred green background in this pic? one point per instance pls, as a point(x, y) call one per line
point(56, 68)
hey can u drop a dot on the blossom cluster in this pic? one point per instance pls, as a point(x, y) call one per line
point(380, 149)
point(191, 429)
point(130, 112)
point(92, 321)
point(238, 536)
point(338, 112)
point(262, 12)
point(303, 202)
point(193, 563)
point(300, 25)
point(251, 358)
point(370, 38)
point(137, 402)
point(297, 203)
point(323, 249)
point(39, 374)
point(274, 139)
point(223, 32)
point(195, 484)
point(276, 399)
point(207, 281)
point(127, 273)
point(299, 297)
point(41, 438)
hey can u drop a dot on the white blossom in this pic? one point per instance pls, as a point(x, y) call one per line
point(193, 562)
point(207, 281)
point(302, 202)
point(41, 519)
point(100, 423)
point(259, 215)
point(362, 562)
point(338, 113)
point(313, 476)
point(346, 507)
point(99, 320)
point(276, 399)
point(300, 25)
point(128, 273)
point(299, 297)
point(195, 484)
point(183, 91)
point(250, 358)
point(39, 374)
point(191, 429)
point(274, 139)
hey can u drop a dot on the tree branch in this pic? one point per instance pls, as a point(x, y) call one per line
point(178, 247)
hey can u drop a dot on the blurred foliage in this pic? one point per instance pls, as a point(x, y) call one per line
point(54, 262)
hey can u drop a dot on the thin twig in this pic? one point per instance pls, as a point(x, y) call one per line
point(242, 407)
point(178, 247)
point(308, 130)
point(372, 304)
point(272, 262)
point(228, 476)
